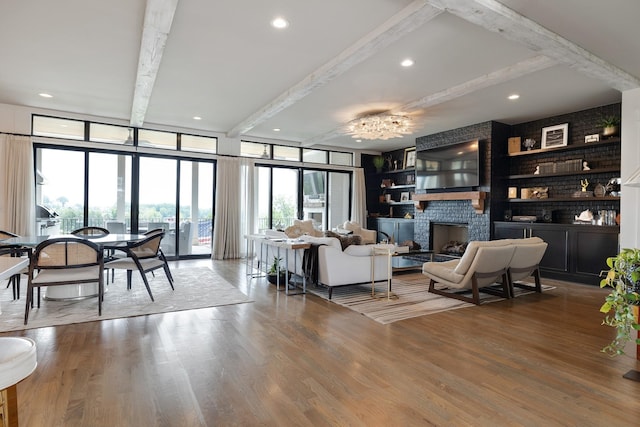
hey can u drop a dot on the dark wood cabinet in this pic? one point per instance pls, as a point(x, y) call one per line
point(398, 229)
point(576, 252)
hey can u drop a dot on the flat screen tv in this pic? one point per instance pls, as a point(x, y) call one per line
point(454, 166)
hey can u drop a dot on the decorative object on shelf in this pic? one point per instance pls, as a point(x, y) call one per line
point(592, 138)
point(539, 192)
point(585, 166)
point(513, 192)
point(514, 144)
point(525, 193)
point(408, 215)
point(537, 171)
point(613, 187)
point(386, 183)
point(585, 217)
point(388, 198)
point(379, 126)
point(404, 196)
point(411, 179)
point(389, 161)
point(599, 190)
point(555, 136)
point(378, 163)
point(529, 143)
point(409, 158)
point(584, 183)
point(610, 126)
point(621, 304)
point(395, 165)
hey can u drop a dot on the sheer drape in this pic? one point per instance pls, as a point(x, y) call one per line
point(359, 199)
point(17, 185)
point(235, 207)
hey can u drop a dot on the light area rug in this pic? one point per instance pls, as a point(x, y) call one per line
point(412, 300)
point(194, 288)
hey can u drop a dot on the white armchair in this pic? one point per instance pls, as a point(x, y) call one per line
point(368, 236)
point(482, 264)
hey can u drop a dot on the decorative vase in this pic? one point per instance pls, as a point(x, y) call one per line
point(272, 278)
point(610, 131)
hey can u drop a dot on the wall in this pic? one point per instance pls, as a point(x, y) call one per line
point(630, 203)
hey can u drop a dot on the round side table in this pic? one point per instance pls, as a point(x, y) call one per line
point(17, 361)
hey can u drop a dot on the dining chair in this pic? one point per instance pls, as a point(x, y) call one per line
point(14, 251)
point(65, 261)
point(91, 231)
point(117, 227)
point(145, 256)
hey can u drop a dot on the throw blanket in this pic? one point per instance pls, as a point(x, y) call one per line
point(310, 262)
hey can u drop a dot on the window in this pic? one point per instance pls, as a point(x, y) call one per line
point(314, 156)
point(58, 128)
point(201, 144)
point(110, 134)
point(254, 149)
point(282, 152)
point(340, 159)
point(109, 195)
point(158, 139)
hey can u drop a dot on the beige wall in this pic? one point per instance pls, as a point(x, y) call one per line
point(630, 201)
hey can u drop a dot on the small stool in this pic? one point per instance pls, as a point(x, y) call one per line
point(17, 361)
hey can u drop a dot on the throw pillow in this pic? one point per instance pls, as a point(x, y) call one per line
point(345, 241)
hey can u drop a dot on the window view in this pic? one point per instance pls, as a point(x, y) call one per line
point(314, 201)
point(110, 192)
point(285, 197)
point(338, 198)
point(59, 191)
point(263, 189)
point(196, 205)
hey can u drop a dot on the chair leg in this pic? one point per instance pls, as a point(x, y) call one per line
point(28, 304)
point(146, 283)
point(129, 274)
point(168, 273)
point(536, 276)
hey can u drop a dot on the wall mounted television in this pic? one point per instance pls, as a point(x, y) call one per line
point(454, 166)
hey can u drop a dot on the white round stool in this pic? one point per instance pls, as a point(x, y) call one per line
point(17, 361)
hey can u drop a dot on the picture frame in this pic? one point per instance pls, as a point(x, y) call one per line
point(555, 136)
point(404, 196)
point(409, 158)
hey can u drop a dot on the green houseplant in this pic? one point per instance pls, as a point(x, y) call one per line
point(623, 278)
point(610, 125)
point(378, 163)
point(276, 269)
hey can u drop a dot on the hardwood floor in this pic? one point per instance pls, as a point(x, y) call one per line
point(300, 360)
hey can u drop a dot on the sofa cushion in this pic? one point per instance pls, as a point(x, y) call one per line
point(302, 228)
point(345, 241)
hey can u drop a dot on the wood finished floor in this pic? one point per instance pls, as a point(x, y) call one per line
point(302, 361)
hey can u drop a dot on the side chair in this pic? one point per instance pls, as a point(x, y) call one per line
point(145, 256)
point(14, 251)
point(64, 261)
point(91, 231)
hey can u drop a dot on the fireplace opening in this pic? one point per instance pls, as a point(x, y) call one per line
point(449, 238)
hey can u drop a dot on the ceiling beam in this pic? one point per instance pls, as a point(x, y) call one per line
point(402, 23)
point(496, 17)
point(502, 75)
point(158, 17)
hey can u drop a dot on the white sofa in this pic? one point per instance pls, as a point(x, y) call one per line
point(336, 267)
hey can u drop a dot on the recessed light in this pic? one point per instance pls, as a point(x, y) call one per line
point(45, 95)
point(358, 140)
point(407, 62)
point(280, 23)
point(514, 96)
point(197, 118)
point(276, 129)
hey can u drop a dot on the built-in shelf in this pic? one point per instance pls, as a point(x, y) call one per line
point(398, 187)
point(582, 172)
point(476, 198)
point(396, 171)
point(567, 148)
point(566, 199)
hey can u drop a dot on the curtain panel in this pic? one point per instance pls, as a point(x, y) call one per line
point(17, 185)
point(359, 198)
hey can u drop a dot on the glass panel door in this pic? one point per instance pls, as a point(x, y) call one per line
point(196, 207)
point(110, 191)
point(338, 198)
point(157, 199)
point(314, 198)
point(285, 197)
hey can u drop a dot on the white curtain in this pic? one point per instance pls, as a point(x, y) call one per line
point(235, 207)
point(359, 200)
point(17, 212)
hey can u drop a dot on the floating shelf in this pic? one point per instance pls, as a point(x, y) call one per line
point(476, 198)
point(566, 199)
point(587, 172)
point(567, 148)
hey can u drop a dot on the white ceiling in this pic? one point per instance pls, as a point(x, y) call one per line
point(224, 62)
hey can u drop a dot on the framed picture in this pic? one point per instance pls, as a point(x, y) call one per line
point(409, 158)
point(555, 136)
point(404, 196)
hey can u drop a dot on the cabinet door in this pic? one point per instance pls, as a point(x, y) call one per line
point(592, 250)
point(556, 258)
point(510, 231)
point(405, 231)
point(386, 226)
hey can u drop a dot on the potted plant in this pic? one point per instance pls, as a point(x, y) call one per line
point(621, 304)
point(610, 125)
point(276, 269)
point(378, 163)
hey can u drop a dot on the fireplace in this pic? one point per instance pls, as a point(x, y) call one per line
point(449, 238)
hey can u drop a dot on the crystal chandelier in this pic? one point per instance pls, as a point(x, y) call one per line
point(379, 126)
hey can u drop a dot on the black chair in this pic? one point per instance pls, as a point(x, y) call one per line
point(64, 261)
point(91, 231)
point(145, 256)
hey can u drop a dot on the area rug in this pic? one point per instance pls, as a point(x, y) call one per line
point(412, 300)
point(194, 288)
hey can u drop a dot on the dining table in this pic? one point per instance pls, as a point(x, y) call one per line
point(73, 291)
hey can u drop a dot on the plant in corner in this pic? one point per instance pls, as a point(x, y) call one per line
point(623, 278)
point(610, 125)
point(378, 163)
point(276, 269)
